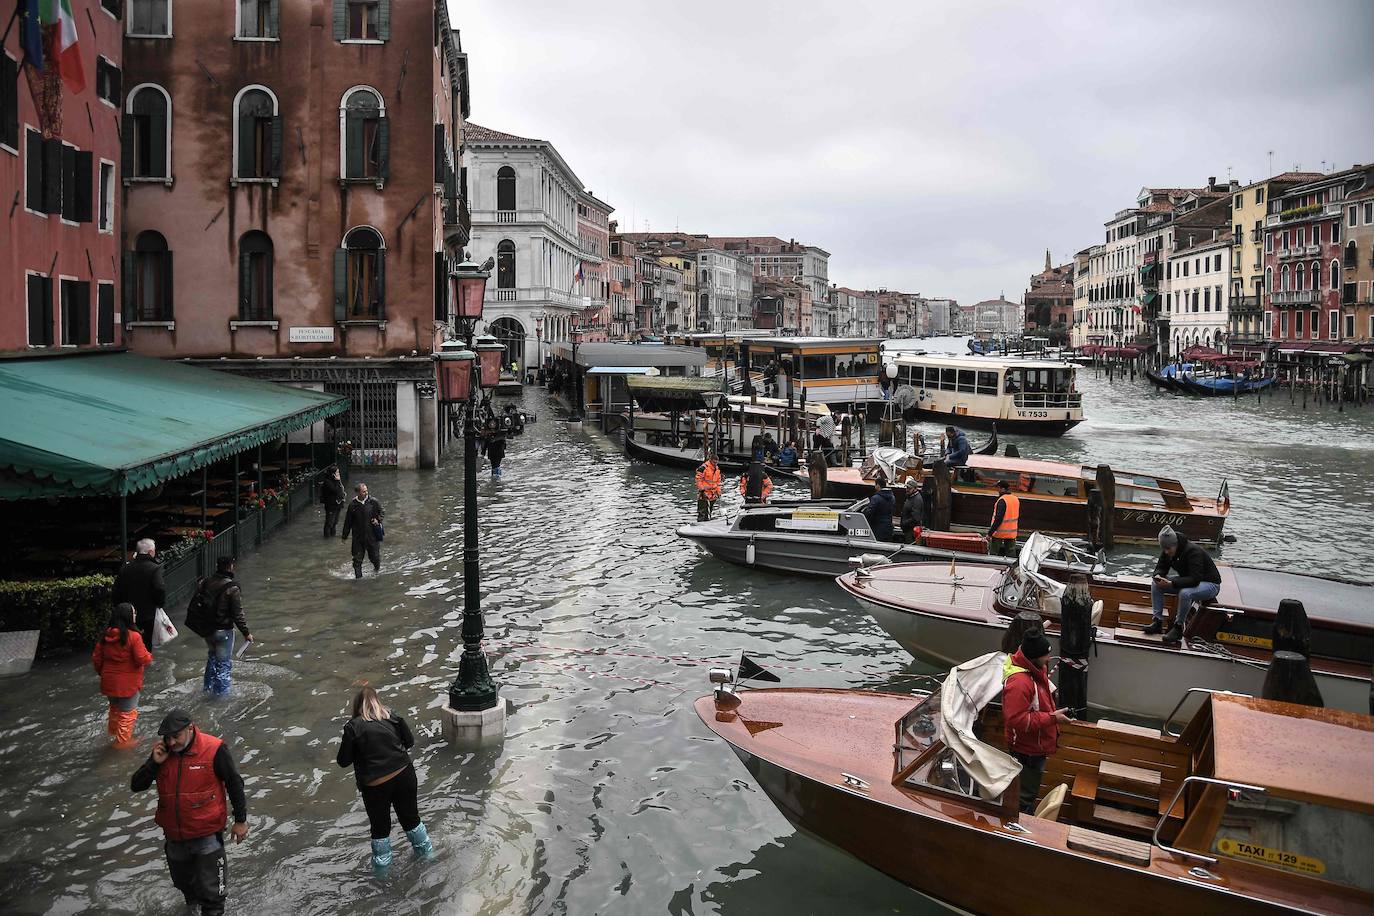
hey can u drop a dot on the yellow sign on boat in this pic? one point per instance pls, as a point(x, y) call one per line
point(1268, 856)
point(816, 520)
point(1244, 639)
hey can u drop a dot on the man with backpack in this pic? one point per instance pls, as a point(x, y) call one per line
point(215, 609)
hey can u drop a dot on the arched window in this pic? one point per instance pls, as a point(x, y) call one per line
point(364, 135)
point(505, 188)
point(1352, 254)
point(1299, 277)
point(1283, 278)
point(147, 138)
point(1269, 279)
point(1316, 275)
point(505, 265)
point(255, 276)
point(148, 279)
point(360, 277)
point(1335, 274)
point(257, 134)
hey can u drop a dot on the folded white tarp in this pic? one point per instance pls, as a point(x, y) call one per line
point(967, 689)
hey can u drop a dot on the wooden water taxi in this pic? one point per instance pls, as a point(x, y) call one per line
point(1059, 498)
point(1028, 396)
point(941, 617)
point(1255, 807)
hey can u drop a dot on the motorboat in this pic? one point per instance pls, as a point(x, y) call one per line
point(1056, 497)
point(942, 616)
point(1254, 807)
point(820, 539)
point(1027, 395)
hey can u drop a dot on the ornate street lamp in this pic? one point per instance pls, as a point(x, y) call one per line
point(576, 335)
point(473, 712)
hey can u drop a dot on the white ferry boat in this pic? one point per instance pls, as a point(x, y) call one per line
point(1029, 396)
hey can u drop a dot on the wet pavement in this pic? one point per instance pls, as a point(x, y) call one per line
point(608, 796)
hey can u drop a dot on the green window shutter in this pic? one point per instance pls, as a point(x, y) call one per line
point(246, 167)
point(85, 171)
point(381, 284)
point(384, 20)
point(340, 284)
point(158, 132)
point(167, 289)
point(52, 175)
point(340, 20)
point(383, 147)
point(245, 283)
point(104, 313)
point(38, 337)
point(130, 307)
point(275, 164)
point(9, 102)
point(126, 142)
point(81, 316)
point(353, 146)
point(274, 19)
point(68, 182)
point(47, 310)
point(440, 160)
point(33, 175)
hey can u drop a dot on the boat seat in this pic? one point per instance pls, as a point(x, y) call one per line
point(1135, 822)
point(1054, 800)
point(1050, 607)
point(1129, 778)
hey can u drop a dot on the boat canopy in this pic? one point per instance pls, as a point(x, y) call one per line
point(622, 370)
point(668, 394)
point(966, 690)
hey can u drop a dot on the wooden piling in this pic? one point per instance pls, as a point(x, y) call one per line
point(943, 496)
point(1106, 483)
point(816, 470)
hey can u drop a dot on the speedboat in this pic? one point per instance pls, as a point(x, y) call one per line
point(941, 615)
point(1254, 807)
point(821, 538)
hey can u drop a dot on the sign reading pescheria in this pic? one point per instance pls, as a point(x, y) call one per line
point(312, 335)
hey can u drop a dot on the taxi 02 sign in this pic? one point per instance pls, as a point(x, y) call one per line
point(1267, 856)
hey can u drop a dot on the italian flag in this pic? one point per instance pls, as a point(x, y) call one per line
point(60, 27)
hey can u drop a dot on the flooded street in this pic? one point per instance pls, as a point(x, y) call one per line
point(608, 795)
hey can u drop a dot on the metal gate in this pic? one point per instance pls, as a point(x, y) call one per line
point(370, 423)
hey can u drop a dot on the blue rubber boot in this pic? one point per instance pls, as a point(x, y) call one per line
point(419, 841)
point(381, 857)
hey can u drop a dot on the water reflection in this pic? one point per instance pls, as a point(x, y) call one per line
point(608, 795)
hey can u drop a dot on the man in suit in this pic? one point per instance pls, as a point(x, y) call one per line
point(363, 520)
point(140, 583)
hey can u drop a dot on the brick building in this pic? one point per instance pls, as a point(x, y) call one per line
point(1049, 300)
point(59, 174)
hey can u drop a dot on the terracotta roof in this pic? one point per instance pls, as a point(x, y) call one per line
point(476, 132)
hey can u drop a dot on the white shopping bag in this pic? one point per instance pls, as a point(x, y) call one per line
point(163, 629)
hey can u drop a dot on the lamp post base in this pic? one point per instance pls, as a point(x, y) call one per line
point(467, 730)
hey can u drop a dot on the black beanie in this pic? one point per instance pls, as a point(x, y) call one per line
point(1035, 645)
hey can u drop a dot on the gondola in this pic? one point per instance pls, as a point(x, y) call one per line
point(690, 457)
point(1161, 382)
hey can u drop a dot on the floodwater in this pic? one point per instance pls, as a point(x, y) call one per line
point(608, 795)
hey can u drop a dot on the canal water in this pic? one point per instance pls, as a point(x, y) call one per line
point(608, 795)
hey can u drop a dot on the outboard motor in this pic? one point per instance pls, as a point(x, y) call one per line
point(1075, 639)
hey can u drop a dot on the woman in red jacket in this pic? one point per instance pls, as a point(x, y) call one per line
point(120, 658)
point(1028, 714)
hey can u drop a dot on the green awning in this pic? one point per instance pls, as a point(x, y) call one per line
point(1151, 297)
point(669, 393)
point(109, 424)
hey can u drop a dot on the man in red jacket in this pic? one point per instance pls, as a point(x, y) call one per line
point(1028, 713)
point(193, 772)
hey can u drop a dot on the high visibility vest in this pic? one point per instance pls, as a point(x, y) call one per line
point(1009, 668)
point(708, 481)
point(1011, 515)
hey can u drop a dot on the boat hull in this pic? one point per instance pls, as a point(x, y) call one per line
point(974, 866)
point(1138, 680)
point(1045, 427)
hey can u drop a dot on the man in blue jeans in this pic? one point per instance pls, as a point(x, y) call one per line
point(226, 603)
point(1197, 582)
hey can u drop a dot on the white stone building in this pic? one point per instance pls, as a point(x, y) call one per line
point(1199, 292)
point(533, 215)
point(725, 291)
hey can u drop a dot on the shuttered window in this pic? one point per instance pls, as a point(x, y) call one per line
point(109, 82)
point(148, 279)
point(104, 313)
point(74, 179)
point(367, 136)
point(360, 277)
point(145, 133)
point(255, 276)
point(362, 20)
point(259, 18)
point(9, 101)
point(76, 313)
point(40, 311)
point(259, 136)
point(150, 18)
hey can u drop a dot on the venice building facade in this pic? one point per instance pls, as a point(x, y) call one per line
point(294, 202)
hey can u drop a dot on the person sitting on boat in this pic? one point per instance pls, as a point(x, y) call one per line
point(756, 448)
point(1029, 717)
point(1197, 582)
point(1006, 516)
point(880, 509)
point(708, 488)
point(787, 455)
point(770, 448)
point(755, 486)
point(957, 449)
point(913, 511)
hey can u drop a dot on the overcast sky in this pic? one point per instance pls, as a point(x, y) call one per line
point(937, 148)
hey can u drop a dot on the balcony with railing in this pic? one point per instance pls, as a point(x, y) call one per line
point(543, 294)
point(1257, 236)
point(457, 221)
point(1302, 214)
point(1244, 304)
point(1295, 297)
point(1311, 250)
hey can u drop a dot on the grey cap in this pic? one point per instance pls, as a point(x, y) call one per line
point(912, 483)
point(1168, 538)
point(174, 721)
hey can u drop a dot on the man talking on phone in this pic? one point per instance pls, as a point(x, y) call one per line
point(1197, 582)
point(194, 772)
point(1029, 718)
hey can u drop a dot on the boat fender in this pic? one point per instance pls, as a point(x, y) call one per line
point(749, 551)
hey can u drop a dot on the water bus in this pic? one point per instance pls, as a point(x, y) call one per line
point(1028, 396)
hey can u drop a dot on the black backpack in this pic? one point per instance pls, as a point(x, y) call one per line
point(200, 611)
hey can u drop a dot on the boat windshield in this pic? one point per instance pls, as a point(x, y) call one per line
point(918, 730)
point(1302, 837)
